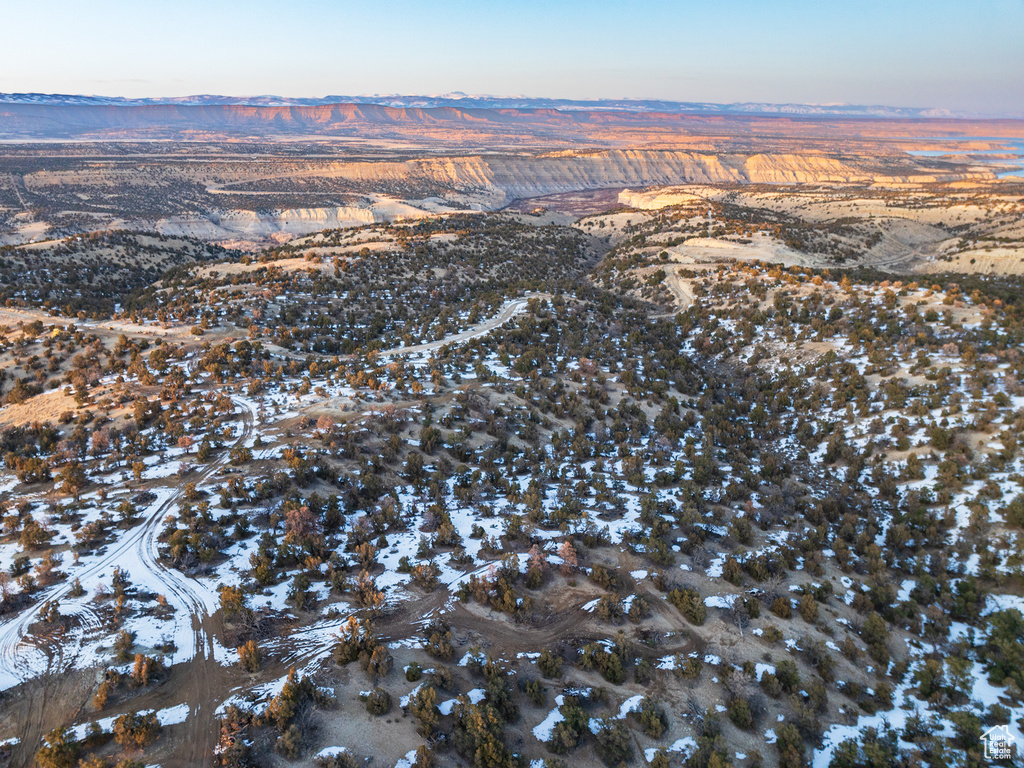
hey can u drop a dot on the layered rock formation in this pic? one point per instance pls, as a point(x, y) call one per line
point(523, 176)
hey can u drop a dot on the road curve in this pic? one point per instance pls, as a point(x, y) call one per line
point(509, 310)
point(139, 547)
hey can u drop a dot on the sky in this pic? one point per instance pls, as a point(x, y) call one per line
point(954, 54)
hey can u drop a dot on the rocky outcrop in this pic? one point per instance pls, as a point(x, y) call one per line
point(510, 177)
point(258, 226)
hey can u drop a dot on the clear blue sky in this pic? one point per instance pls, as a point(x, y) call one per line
point(960, 54)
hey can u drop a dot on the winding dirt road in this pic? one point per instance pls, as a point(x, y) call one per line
point(509, 310)
point(137, 553)
point(48, 665)
point(679, 288)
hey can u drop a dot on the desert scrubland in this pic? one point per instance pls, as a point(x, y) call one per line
point(498, 438)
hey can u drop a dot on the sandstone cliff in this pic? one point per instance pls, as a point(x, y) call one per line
point(509, 177)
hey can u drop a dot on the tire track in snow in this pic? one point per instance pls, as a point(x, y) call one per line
point(137, 553)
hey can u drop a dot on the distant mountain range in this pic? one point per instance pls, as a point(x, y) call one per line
point(449, 120)
point(464, 101)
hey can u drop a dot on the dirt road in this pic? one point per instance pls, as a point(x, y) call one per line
point(679, 287)
point(510, 309)
point(136, 553)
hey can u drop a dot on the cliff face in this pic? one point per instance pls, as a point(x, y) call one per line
point(511, 177)
point(495, 180)
point(259, 226)
point(255, 196)
point(549, 175)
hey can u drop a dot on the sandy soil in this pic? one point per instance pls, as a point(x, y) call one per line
point(42, 408)
point(986, 261)
point(705, 250)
